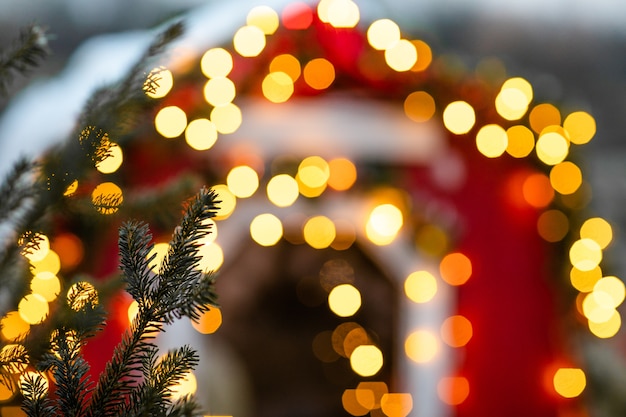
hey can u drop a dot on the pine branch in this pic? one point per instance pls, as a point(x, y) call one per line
point(35, 391)
point(26, 53)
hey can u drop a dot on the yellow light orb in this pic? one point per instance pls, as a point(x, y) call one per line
point(383, 33)
point(419, 106)
point(29, 375)
point(47, 285)
point(40, 250)
point(277, 87)
point(384, 223)
point(249, 41)
point(216, 62)
point(552, 148)
point(396, 404)
point(342, 174)
point(242, 181)
point(344, 300)
point(544, 115)
point(33, 308)
point(421, 346)
point(209, 321)
point(263, 17)
point(492, 140)
point(51, 263)
point(612, 287)
point(598, 230)
point(113, 161)
point(133, 309)
point(420, 286)
point(597, 312)
point(164, 81)
point(211, 257)
point(585, 254)
point(366, 360)
point(606, 329)
point(81, 294)
point(13, 326)
point(227, 118)
point(159, 250)
point(319, 73)
point(187, 385)
point(219, 91)
point(282, 190)
point(566, 177)
point(459, 117)
point(201, 134)
point(314, 171)
point(266, 229)
point(339, 13)
point(584, 281)
point(170, 121)
point(287, 64)
point(521, 141)
point(569, 382)
point(319, 232)
point(401, 56)
point(227, 201)
point(107, 197)
point(580, 126)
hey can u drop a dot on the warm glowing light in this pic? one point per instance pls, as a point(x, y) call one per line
point(297, 15)
point(424, 55)
point(187, 385)
point(455, 268)
point(346, 234)
point(39, 251)
point(492, 140)
point(606, 329)
point(107, 197)
point(421, 346)
point(580, 126)
point(453, 390)
point(201, 134)
point(383, 33)
point(420, 286)
point(227, 199)
point(6, 393)
point(170, 121)
point(609, 290)
point(314, 172)
point(585, 254)
point(211, 257)
point(282, 190)
point(340, 334)
point(69, 248)
point(209, 321)
point(396, 404)
point(566, 177)
point(584, 281)
point(33, 308)
point(383, 224)
point(13, 326)
point(219, 91)
point(216, 62)
point(227, 118)
point(159, 251)
point(342, 174)
point(569, 382)
point(81, 294)
point(242, 181)
point(597, 312)
point(288, 64)
point(277, 87)
point(249, 41)
point(401, 56)
point(552, 148)
point(29, 375)
point(319, 73)
point(164, 83)
point(456, 331)
point(459, 117)
point(132, 310)
point(366, 360)
point(339, 13)
point(370, 393)
point(344, 300)
point(513, 99)
point(351, 404)
point(355, 338)
point(266, 229)
point(537, 190)
point(47, 285)
point(598, 230)
point(419, 106)
point(319, 232)
point(71, 189)
point(113, 160)
point(544, 115)
point(553, 225)
point(51, 263)
point(521, 141)
point(263, 17)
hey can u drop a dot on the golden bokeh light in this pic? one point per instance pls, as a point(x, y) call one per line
point(383, 224)
point(13, 326)
point(459, 117)
point(342, 174)
point(609, 290)
point(569, 382)
point(319, 73)
point(424, 55)
point(339, 13)
point(492, 140)
point(227, 118)
point(159, 251)
point(351, 404)
point(606, 329)
point(164, 83)
point(355, 338)
point(521, 141)
point(263, 17)
point(319, 232)
point(544, 115)
point(132, 311)
point(584, 281)
point(344, 300)
point(40, 250)
point(455, 268)
point(219, 91)
point(249, 41)
point(456, 331)
point(366, 360)
point(282, 190)
point(597, 312)
point(585, 254)
point(580, 126)
point(50, 263)
point(598, 230)
point(266, 229)
point(209, 321)
point(81, 294)
point(537, 190)
point(201, 134)
point(187, 385)
point(47, 285)
point(419, 106)
point(170, 121)
point(396, 404)
point(421, 346)
point(314, 171)
point(216, 62)
point(33, 308)
point(107, 197)
point(553, 225)
point(242, 181)
point(383, 33)
point(29, 375)
point(552, 148)
point(288, 64)
point(277, 87)
point(513, 99)
point(71, 189)
point(453, 390)
point(113, 161)
point(228, 201)
point(566, 177)
point(339, 335)
point(6, 393)
point(211, 257)
point(420, 286)
point(401, 56)
point(370, 393)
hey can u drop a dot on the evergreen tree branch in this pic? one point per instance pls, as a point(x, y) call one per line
point(35, 391)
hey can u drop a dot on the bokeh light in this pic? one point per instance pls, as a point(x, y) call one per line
point(164, 83)
point(242, 181)
point(227, 118)
point(319, 73)
point(584, 281)
point(569, 382)
point(266, 229)
point(211, 257)
point(459, 117)
point(170, 121)
point(80, 294)
point(521, 141)
point(107, 197)
point(585, 254)
point(366, 360)
point(396, 404)
point(277, 87)
point(228, 201)
point(552, 148)
point(219, 91)
point(339, 13)
point(420, 286)
point(249, 41)
point(342, 174)
point(216, 62)
point(580, 126)
point(113, 161)
point(456, 331)
point(287, 64)
point(263, 17)
point(598, 230)
point(544, 115)
point(47, 285)
point(419, 106)
point(33, 308)
point(344, 300)
point(187, 385)
point(553, 225)
point(383, 33)
point(159, 251)
point(282, 190)
point(421, 346)
point(201, 134)
point(383, 224)
point(455, 268)
point(319, 232)
point(453, 390)
point(401, 56)
point(566, 177)
point(13, 326)
point(492, 140)
point(209, 321)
